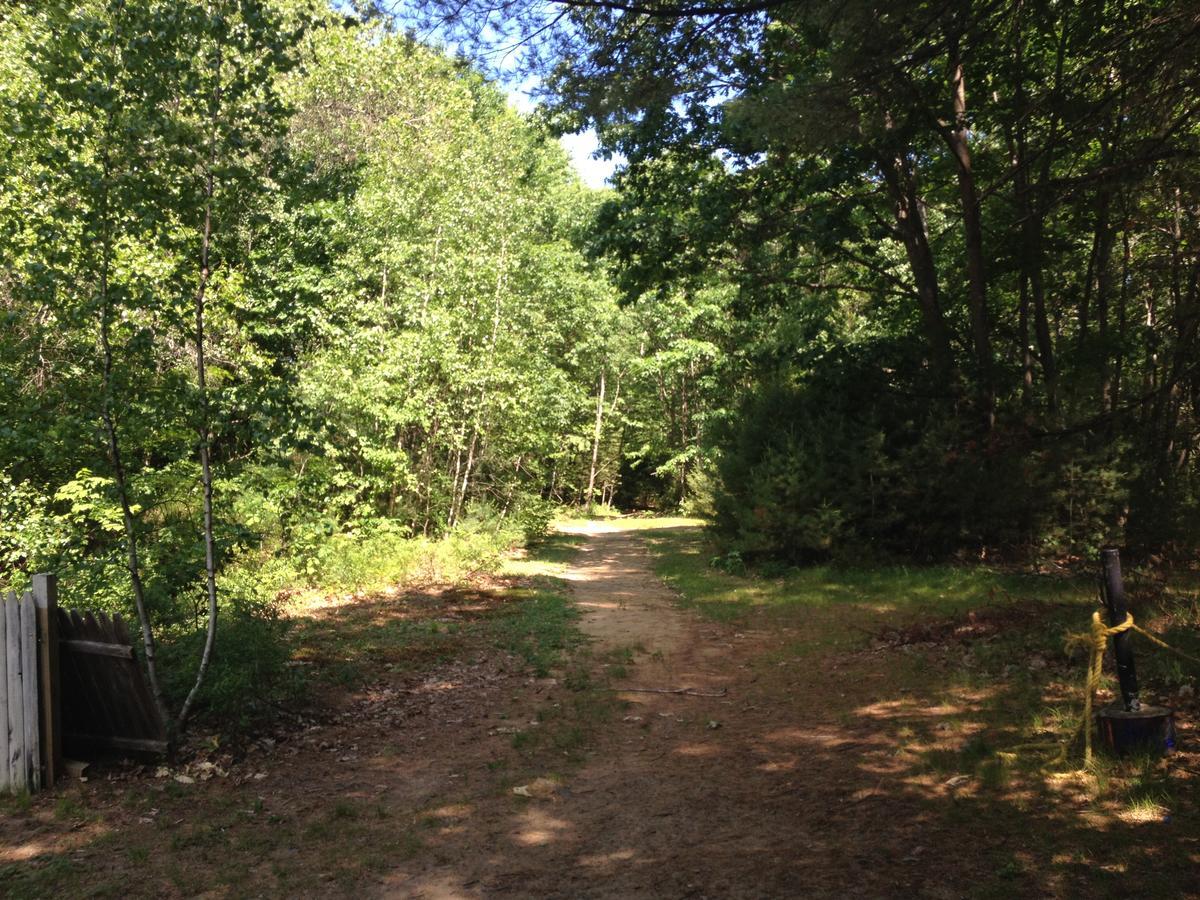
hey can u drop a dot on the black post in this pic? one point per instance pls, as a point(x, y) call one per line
point(1113, 589)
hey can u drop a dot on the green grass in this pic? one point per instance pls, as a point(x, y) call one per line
point(556, 549)
point(21, 880)
point(539, 627)
point(631, 523)
point(834, 608)
point(347, 644)
point(683, 557)
point(823, 609)
point(831, 607)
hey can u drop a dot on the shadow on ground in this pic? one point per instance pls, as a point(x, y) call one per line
point(841, 752)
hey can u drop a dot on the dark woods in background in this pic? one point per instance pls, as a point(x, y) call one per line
point(963, 241)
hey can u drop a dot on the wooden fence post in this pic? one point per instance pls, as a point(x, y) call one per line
point(45, 594)
point(31, 756)
point(6, 782)
point(17, 772)
point(1114, 599)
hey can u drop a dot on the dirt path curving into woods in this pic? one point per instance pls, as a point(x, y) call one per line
point(749, 793)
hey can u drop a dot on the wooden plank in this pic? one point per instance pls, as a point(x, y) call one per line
point(142, 721)
point(122, 630)
point(132, 722)
point(117, 686)
point(5, 779)
point(97, 648)
point(127, 688)
point(45, 594)
point(97, 673)
point(16, 709)
point(141, 706)
point(94, 691)
point(78, 712)
point(32, 751)
point(104, 698)
point(141, 745)
point(141, 703)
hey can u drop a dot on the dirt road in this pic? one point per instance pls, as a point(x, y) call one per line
point(781, 773)
point(752, 793)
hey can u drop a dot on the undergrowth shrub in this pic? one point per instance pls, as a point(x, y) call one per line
point(533, 518)
point(248, 676)
point(840, 463)
point(273, 541)
point(700, 501)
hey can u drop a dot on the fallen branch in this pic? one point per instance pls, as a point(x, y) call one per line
point(685, 691)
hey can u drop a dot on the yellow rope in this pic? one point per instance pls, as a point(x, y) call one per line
point(1157, 640)
point(1100, 635)
point(1097, 640)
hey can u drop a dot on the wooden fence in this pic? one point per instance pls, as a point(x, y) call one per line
point(67, 679)
point(26, 677)
point(105, 702)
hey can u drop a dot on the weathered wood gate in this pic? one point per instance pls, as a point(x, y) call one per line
point(105, 702)
point(68, 680)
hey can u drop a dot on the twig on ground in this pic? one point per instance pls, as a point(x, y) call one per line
point(685, 691)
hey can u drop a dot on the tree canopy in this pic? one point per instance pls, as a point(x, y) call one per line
point(964, 234)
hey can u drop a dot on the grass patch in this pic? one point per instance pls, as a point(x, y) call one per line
point(553, 550)
point(565, 730)
point(631, 522)
point(987, 646)
point(538, 627)
point(346, 641)
point(899, 593)
point(43, 878)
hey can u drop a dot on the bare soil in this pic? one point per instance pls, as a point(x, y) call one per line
point(476, 780)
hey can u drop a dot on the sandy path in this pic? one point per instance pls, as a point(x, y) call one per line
point(793, 780)
point(685, 796)
point(623, 603)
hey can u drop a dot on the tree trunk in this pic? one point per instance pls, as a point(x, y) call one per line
point(1032, 226)
point(1104, 244)
point(1033, 204)
point(133, 563)
point(596, 433)
point(1026, 352)
point(956, 136)
point(204, 429)
point(910, 224)
point(1122, 313)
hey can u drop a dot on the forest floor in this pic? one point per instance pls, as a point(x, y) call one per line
point(515, 739)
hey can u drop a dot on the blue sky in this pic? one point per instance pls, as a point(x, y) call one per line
point(594, 172)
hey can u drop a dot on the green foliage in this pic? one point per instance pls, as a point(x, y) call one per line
point(249, 672)
point(974, 211)
point(833, 465)
point(730, 563)
point(534, 517)
point(402, 327)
